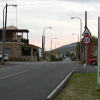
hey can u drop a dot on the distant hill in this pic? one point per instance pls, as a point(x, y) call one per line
point(67, 48)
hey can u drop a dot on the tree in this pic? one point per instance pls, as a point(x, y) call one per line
point(94, 41)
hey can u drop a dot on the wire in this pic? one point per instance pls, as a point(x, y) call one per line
point(39, 3)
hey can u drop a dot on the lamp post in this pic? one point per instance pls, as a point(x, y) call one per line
point(78, 41)
point(43, 40)
point(4, 31)
point(51, 43)
point(55, 47)
point(77, 35)
point(80, 33)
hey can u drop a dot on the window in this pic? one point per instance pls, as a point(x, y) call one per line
point(8, 51)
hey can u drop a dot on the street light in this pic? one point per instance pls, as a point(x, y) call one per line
point(80, 33)
point(51, 43)
point(43, 40)
point(4, 31)
point(55, 46)
point(78, 41)
point(77, 35)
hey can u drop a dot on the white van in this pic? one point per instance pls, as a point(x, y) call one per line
point(6, 58)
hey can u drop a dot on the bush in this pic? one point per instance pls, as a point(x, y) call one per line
point(94, 56)
point(73, 58)
point(53, 58)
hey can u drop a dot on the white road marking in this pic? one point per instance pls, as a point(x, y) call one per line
point(52, 93)
point(54, 63)
point(47, 64)
point(5, 68)
point(14, 74)
point(9, 67)
point(36, 68)
point(96, 66)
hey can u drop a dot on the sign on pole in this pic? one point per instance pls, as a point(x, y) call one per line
point(98, 74)
point(86, 32)
point(26, 48)
point(86, 40)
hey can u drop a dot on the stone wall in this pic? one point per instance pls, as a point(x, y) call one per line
point(15, 48)
point(16, 52)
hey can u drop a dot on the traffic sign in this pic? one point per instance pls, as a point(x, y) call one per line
point(86, 32)
point(26, 48)
point(86, 40)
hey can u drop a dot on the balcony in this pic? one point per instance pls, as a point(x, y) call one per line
point(22, 40)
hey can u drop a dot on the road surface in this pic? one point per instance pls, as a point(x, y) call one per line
point(34, 80)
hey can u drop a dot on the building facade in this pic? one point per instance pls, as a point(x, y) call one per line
point(18, 47)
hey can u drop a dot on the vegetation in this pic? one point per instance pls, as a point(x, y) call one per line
point(17, 59)
point(53, 58)
point(72, 56)
point(94, 57)
point(81, 86)
point(94, 41)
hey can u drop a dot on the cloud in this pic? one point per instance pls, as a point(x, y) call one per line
point(35, 15)
point(82, 1)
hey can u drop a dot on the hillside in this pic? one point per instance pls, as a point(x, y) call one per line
point(67, 48)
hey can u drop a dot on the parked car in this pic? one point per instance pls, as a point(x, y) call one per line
point(93, 61)
point(6, 58)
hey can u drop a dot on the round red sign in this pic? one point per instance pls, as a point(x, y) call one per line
point(86, 40)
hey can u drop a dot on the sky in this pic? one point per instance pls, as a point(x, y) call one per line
point(36, 15)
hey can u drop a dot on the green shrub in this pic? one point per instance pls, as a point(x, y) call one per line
point(73, 58)
point(94, 56)
point(53, 58)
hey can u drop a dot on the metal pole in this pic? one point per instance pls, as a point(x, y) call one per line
point(86, 46)
point(51, 45)
point(3, 35)
point(5, 27)
point(98, 70)
point(43, 43)
point(80, 37)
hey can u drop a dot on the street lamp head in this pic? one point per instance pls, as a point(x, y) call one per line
point(50, 27)
point(15, 5)
point(72, 17)
point(55, 38)
point(12, 5)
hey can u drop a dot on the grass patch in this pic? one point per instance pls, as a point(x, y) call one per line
point(81, 86)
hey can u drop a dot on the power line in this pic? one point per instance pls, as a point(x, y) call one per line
point(39, 3)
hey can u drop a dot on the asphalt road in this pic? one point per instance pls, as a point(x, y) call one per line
point(34, 80)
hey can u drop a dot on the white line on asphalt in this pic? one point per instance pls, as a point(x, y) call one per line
point(5, 68)
point(52, 93)
point(36, 68)
point(54, 63)
point(75, 67)
point(96, 66)
point(14, 74)
point(47, 64)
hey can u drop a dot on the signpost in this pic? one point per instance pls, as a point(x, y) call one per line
point(86, 40)
point(98, 74)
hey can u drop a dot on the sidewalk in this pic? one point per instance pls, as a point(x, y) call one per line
point(82, 69)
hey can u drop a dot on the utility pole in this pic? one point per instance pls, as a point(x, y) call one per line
point(86, 46)
point(98, 70)
point(4, 33)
